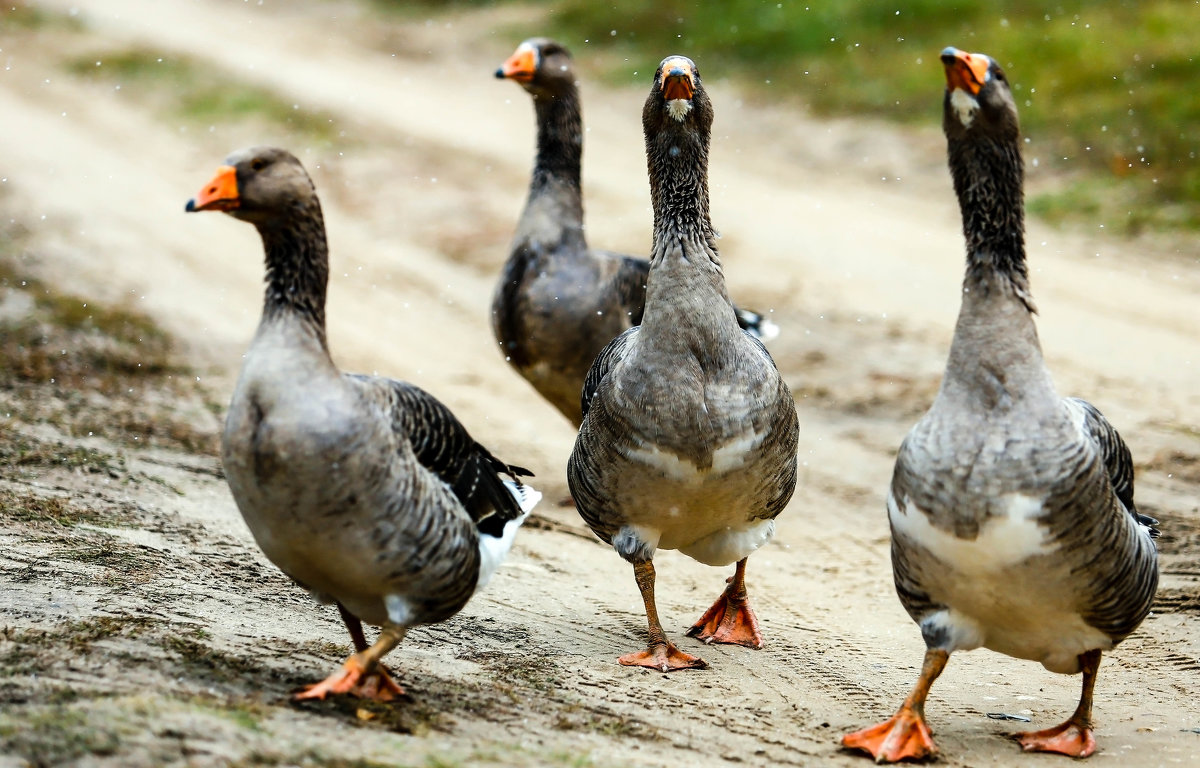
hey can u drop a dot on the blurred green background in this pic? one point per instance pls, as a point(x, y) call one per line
point(1107, 88)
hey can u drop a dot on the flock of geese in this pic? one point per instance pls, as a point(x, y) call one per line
point(1011, 508)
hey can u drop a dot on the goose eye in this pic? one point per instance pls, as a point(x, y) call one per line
point(257, 164)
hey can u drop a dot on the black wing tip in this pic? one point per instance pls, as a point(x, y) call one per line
point(501, 467)
point(1149, 522)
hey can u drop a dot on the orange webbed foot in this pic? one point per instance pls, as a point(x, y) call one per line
point(377, 686)
point(904, 737)
point(354, 680)
point(1069, 739)
point(665, 658)
point(730, 620)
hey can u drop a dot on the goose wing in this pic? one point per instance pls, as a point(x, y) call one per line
point(442, 445)
point(628, 286)
point(604, 362)
point(1117, 458)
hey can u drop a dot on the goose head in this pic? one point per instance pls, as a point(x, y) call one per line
point(978, 102)
point(677, 117)
point(677, 98)
point(541, 65)
point(258, 185)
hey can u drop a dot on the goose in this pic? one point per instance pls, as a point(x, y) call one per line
point(364, 490)
point(559, 302)
point(689, 433)
point(1011, 508)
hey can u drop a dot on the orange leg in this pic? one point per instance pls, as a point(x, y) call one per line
point(377, 685)
point(361, 675)
point(905, 736)
point(659, 654)
point(730, 619)
point(1074, 737)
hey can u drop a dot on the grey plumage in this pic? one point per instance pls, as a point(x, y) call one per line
point(1011, 508)
point(1117, 458)
point(559, 302)
point(365, 490)
point(689, 433)
point(999, 430)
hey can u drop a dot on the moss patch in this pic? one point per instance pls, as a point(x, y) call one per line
point(1104, 88)
point(201, 92)
point(26, 17)
point(91, 370)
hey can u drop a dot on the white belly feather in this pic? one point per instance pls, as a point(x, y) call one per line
point(708, 513)
point(1002, 542)
point(999, 591)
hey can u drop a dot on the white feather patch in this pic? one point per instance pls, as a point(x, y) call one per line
point(733, 454)
point(678, 108)
point(399, 611)
point(965, 106)
point(732, 544)
point(765, 330)
point(492, 550)
point(1002, 541)
point(729, 457)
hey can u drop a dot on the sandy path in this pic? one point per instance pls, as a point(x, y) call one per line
point(852, 240)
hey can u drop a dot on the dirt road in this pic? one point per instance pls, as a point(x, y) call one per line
point(846, 230)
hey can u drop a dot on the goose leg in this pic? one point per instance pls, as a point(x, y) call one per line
point(377, 685)
point(1074, 737)
point(660, 654)
point(730, 619)
point(905, 735)
point(355, 675)
point(354, 627)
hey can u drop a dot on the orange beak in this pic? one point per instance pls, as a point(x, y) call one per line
point(678, 81)
point(220, 194)
point(521, 66)
point(964, 70)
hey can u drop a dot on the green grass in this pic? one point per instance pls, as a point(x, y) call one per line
point(203, 661)
point(1105, 87)
point(127, 343)
point(200, 92)
point(36, 650)
point(310, 758)
point(91, 369)
point(24, 16)
point(17, 451)
point(56, 736)
point(51, 512)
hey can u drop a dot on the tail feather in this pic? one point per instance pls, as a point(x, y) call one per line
point(526, 495)
point(493, 549)
point(1149, 523)
point(755, 324)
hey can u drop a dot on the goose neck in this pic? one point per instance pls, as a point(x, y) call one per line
point(297, 261)
point(678, 173)
point(988, 181)
point(559, 140)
